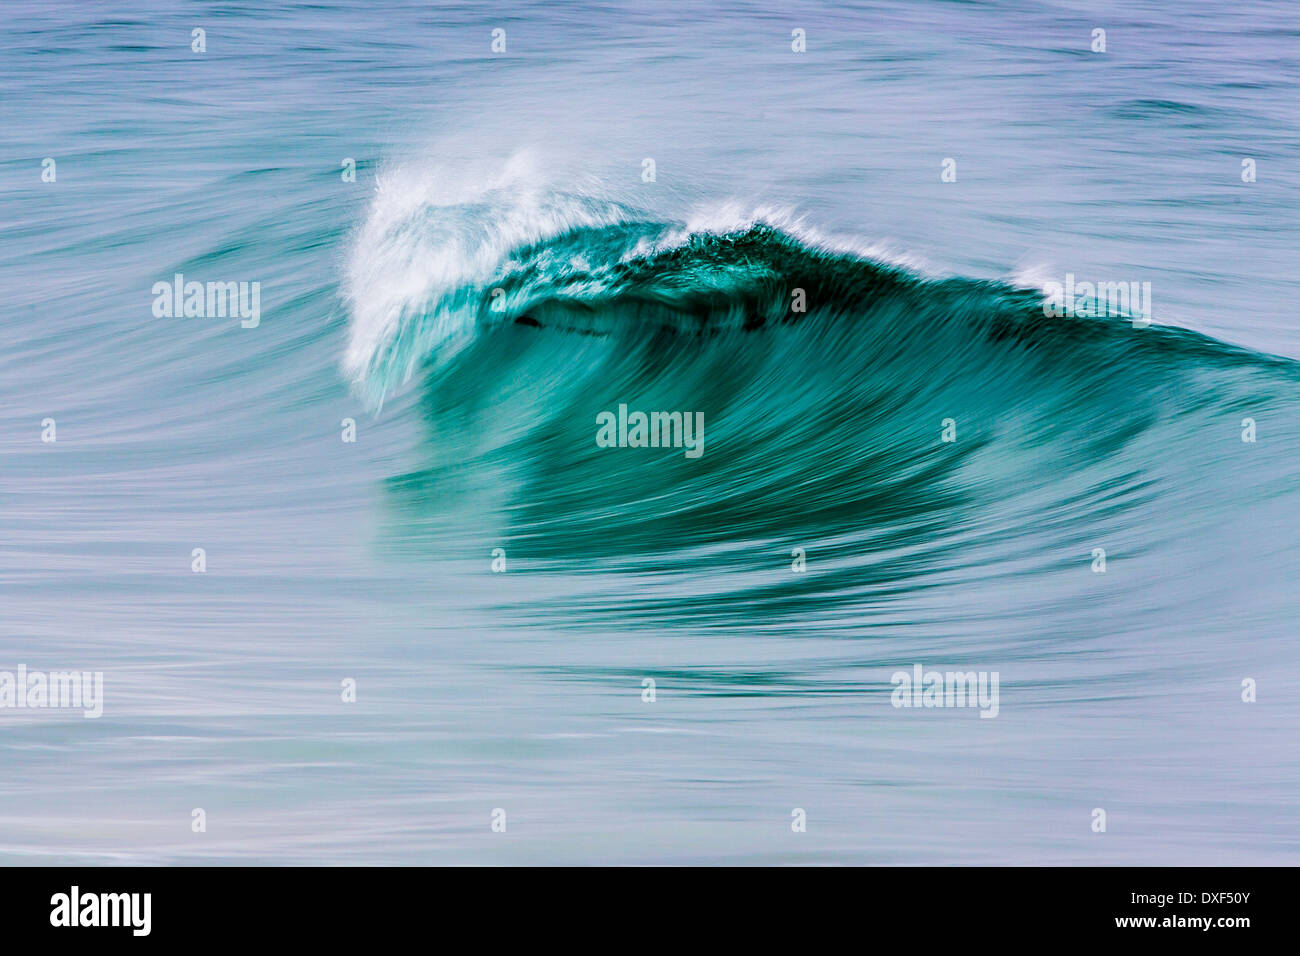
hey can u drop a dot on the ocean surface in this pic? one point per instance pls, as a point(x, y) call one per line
point(464, 253)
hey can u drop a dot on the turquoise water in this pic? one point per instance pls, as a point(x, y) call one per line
point(475, 416)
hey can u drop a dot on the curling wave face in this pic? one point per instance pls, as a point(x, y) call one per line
point(898, 431)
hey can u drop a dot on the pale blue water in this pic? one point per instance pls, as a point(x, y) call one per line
point(522, 690)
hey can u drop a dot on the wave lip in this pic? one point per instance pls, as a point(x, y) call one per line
point(442, 257)
point(438, 255)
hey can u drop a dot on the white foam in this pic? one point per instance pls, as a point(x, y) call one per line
point(434, 228)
